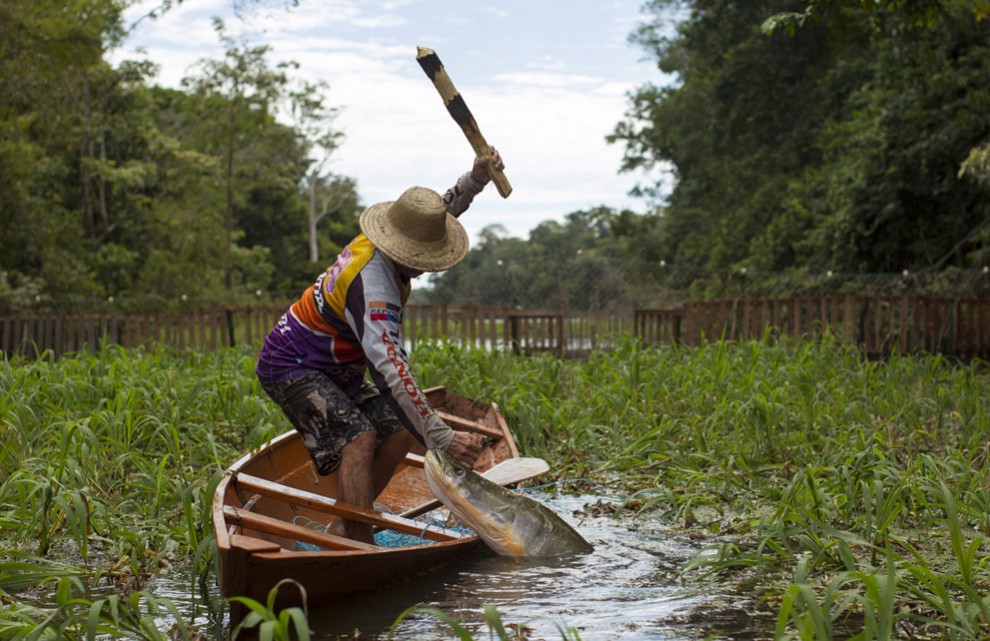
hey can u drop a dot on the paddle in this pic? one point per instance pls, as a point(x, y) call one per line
point(516, 470)
point(508, 472)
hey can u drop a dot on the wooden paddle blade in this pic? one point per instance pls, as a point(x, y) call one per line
point(516, 470)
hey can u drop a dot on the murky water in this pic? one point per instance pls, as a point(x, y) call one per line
point(626, 589)
point(629, 588)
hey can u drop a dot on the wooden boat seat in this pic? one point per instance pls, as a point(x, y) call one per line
point(328, 505)
point(270, 525)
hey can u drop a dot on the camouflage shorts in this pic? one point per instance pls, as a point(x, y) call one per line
point(328, 419)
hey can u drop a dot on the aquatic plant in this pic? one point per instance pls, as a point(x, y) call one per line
point(849, 496)
point(273, 624)
point(135, 616)
point(110, 461)
point(869, 475)
point(497, 628)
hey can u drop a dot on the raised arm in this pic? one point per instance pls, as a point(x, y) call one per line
point(459, 197)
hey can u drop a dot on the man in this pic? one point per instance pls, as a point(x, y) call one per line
point(313, 362)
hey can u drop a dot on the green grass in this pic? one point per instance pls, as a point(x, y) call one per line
point(849, 498)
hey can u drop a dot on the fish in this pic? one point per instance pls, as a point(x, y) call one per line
point(510, 523)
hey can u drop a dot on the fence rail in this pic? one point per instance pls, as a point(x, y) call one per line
point(878, 324)
point(204, 330)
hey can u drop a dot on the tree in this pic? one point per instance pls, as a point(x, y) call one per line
point(47, 49)
point(112, 188)
point(276, 189)
point(334, 198)
point(325, 193)
point(738, 128)
point(579, 264)
point(915, 12)
point(246, 90)
point(836, 145)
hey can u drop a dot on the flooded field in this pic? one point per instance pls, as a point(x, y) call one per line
point(628, 588)
point(863, 484)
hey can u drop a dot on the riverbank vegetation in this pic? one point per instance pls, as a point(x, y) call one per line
point(842, 496)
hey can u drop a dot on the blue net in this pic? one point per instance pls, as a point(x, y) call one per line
point(383, 538)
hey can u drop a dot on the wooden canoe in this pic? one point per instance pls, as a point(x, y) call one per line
point(268, 501)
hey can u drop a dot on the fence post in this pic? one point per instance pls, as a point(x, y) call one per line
point(409, 319)
point(230, 326)
point(514, 333)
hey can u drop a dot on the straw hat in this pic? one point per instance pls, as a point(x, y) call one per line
point(416, 231)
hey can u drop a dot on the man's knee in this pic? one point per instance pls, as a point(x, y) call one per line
point(360, 447)
point(402, 438)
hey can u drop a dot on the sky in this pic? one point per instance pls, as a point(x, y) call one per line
point(546, 82)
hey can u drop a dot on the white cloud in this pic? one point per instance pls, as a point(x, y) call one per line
point(546, 103)
point(496, 11)
point(548, 80)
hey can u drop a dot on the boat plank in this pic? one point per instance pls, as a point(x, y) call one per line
point(271, 525)
point(468, 425)
point(415, 460)
point(354, 512)
point(253, 544)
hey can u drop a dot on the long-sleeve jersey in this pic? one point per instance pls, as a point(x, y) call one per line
point(350, 320)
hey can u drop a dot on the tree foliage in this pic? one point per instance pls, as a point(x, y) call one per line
point(818, 147)
point(113, 187)
point(580, 263)
point(806, 137)
point(837, 143)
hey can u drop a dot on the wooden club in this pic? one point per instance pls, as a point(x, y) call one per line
point(430, 62)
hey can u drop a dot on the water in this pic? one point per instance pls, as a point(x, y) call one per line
point(626, 589)
point(629, 588)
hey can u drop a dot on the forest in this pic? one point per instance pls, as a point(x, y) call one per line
point(825, 144)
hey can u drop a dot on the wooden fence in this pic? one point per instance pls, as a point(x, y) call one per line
point(35, 336)
point(878, 324)
point(522, 331)
point(519, 330)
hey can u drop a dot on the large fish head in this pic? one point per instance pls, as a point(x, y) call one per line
point(484, 506)
point(510, 523)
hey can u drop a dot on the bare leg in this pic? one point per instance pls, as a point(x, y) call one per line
point(355, 485)
point(389, 455)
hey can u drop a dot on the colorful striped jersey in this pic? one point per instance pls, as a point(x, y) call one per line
point(350, 320)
